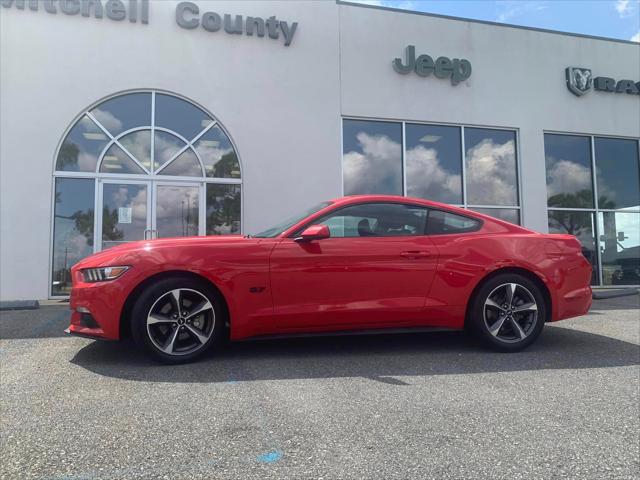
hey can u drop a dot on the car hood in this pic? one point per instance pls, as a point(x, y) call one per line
point(108, 256)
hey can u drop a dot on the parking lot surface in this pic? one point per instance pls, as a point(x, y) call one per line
point(428, 405)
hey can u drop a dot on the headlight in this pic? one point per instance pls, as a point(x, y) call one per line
point(102, 274)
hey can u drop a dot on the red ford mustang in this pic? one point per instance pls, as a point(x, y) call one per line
point(357, 263)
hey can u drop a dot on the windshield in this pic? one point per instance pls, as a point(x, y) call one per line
point(281, 227)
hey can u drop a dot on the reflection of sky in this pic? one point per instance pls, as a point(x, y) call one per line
point(625, 223)
point(165, 147)
point(434, 163)
point(128, 196)
point(89, 140)
point(116, 161)
point(508, 214)
point(124, 112)
point(617, 174)
point(177, 210)
point(372, 160)
point(211, 147)
point(491, 167)
point(73, 195)
point(185, 164)
point(180, 116)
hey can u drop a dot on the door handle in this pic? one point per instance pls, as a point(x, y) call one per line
point(415, 254)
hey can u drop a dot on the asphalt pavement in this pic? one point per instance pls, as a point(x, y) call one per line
point(428, 405)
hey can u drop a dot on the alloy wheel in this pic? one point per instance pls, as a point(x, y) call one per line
point(510, 312)
point(181, 321)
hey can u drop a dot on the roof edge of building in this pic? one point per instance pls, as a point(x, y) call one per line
point(486, 22)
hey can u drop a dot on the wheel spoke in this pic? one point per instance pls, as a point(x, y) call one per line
point(495, 328)
point(511, 291)
point(526, 307)
point(203, 307)
point(201, 338)
point(154, 318)
point(491, 303)
point(168, 347)
point(518, 328)
point(175, 300)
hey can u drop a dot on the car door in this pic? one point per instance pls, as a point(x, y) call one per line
point(376, 267)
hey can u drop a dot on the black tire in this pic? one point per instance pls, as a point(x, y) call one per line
point(500, 327)
point(203, 330)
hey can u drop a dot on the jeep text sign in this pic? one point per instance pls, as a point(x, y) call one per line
point(458, 70)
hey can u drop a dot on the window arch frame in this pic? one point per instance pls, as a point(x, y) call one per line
point(146, 175)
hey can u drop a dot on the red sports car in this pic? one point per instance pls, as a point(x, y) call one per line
point(356, 263)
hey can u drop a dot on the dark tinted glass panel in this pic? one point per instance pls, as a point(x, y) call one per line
point(569, 177)
point(490, 163)
point(372, 157)
point(72, 229)
point(138, 144)
point(620, 247)
point(508, 214)
point(223, 209)
point(82, 147)
point(617, 173)
point(115, 160)
point(124, 112)
point(580, 224)
point(434, 162)
point(448, 223)
point(217, 154)
point(376, 220)
point(180, 116)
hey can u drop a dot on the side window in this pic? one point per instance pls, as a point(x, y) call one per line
point(444, 222)
point(376, 220)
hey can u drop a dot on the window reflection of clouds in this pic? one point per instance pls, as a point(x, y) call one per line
point(182, 117)
point(115, 160)
point(72, 229)
point(372, 160)
point(82, 147)
point(185, 164)
point(434, 163)
point(617, 172)
point(138, 144)
point(568, 163)
point(177, 210)
point(223, 209)
point(511, 215)
point(491, 167)
point(165, 147)
point(217, 154)
point(124, 112)
point(117, 196)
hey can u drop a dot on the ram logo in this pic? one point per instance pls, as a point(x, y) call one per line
point(578, 80)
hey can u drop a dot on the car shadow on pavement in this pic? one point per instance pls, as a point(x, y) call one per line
point(380, 357)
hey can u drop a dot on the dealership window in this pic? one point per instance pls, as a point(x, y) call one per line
point(593, 192)
point(475, 168)
point(137, 166)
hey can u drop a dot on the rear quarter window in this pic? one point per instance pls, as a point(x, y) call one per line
point(441, 222)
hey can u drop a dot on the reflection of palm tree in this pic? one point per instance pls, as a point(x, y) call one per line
point(224, 204)
point(227, 167)
point(68, 155)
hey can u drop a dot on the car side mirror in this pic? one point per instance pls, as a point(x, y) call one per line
point(313, 232)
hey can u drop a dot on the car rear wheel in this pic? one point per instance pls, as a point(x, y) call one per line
point(176, 320)
point(508, 312)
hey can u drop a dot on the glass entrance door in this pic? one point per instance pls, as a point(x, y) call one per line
point(177, 210)
point(131, 210)
point(124, 213)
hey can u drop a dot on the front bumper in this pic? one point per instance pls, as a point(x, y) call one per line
point(96, 309)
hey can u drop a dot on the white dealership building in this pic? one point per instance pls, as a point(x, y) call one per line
point(130, 119)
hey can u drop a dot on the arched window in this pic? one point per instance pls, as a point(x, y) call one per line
point(137, 166)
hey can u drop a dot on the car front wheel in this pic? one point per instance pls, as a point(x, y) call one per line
point(176, 320)
point(508, 312)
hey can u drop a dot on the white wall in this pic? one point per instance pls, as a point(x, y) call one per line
point(518, 81)
point(280, 105)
